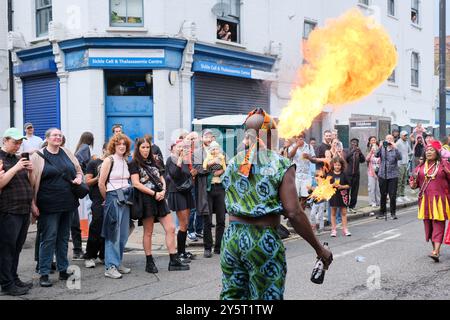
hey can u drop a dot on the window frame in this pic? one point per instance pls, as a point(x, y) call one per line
point(126, 24)
point(394, 8)
point(393, 77)
point(308, 22)
point(363, 3)
point(415, 73)
point(236, 20)
point(417, 11)
point(38, 10)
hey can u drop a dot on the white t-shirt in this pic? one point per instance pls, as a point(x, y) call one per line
point(31, 144)
point(303, 165)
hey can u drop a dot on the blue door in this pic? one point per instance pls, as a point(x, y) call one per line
point(129, 102)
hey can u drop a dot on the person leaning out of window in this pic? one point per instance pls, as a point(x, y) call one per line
point(55, 170)
point(115, 188)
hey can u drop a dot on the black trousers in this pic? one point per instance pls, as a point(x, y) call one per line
point(75, 232)
point(216, 202)
point(354, 184)
point(95, 246)
point(13, 233)
point(388, 186)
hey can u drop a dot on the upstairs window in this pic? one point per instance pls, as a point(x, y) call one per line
point(228, 14)
point(391, 7)
point(308, 27)
point(391, 78)
point(43, 16)
point(126, 13)
point(415, 69)
point(415, 11)
point(364, 2)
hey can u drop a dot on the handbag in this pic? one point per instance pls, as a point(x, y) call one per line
point(186, 186)
point(137, 209)
point(79, 190)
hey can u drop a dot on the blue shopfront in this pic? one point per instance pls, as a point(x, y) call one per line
point(128, 66)
point(40, 93)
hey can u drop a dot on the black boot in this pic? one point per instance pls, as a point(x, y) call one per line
point(175, 264)
point(150, 266)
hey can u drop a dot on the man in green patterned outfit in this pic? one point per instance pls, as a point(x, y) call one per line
point(260, 187)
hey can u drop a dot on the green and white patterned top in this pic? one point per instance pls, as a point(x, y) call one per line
point(257, 195)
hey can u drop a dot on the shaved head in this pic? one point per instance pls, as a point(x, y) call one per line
point(254, 122)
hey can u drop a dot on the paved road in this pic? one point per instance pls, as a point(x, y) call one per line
point(393, 264)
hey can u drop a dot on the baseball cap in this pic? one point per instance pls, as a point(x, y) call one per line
point(403, 133)
point(26, 125)
point(13, 133)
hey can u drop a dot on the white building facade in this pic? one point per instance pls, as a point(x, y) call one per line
point(4, 66)
point(153, 66)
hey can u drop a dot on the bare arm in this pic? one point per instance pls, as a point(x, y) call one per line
point(91, 180)
point(103, 176)
point(138, 185)
point(297, 217)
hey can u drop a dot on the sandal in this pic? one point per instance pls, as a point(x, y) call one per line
point(434, 256)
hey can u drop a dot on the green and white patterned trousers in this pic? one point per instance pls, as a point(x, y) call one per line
point(253, 263)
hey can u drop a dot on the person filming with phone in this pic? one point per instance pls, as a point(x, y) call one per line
point(388, 175)
point(15, 207)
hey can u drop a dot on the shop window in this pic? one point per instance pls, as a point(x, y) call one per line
point(126, 13)
point(124, 84)
point(43, 16)
point(308, 27)
point(415, 11)
point(391, 7)
point(228, 20)
point(415, 69)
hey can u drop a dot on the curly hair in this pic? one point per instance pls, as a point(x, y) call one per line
point(336, 160)
point(115, 139)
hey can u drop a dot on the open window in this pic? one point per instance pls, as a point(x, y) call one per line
point(228, 20)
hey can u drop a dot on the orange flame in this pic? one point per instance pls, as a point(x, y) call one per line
point(346, 60)
point(323, 191)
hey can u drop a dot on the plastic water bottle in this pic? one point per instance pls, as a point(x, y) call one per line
point(318, 273)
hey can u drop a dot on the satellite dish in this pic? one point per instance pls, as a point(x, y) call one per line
point(221, 9)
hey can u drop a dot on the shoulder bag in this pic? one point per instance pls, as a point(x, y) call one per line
point(79, 190)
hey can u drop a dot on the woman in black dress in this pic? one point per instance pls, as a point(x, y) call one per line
point(146, 178)
point(180, 195)
point(341, 198)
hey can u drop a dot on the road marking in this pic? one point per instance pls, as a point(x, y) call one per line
point(368, 245)
point(378, 234)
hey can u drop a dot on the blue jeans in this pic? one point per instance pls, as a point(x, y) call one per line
point(195, 220)
point(338, 214)
point(54, 232)
point(114, 248)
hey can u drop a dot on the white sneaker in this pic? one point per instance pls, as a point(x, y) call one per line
point(113, 273)
point(124, 270)
point(89, 263)
point(373, 205)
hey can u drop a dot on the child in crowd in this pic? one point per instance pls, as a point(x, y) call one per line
point(419, 130)
point(317, 208)
point(214, 161)
point(341, 198)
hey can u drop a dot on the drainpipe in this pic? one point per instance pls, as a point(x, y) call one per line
point(11, 75)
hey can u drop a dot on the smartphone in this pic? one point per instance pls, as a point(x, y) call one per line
point(25, 155)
